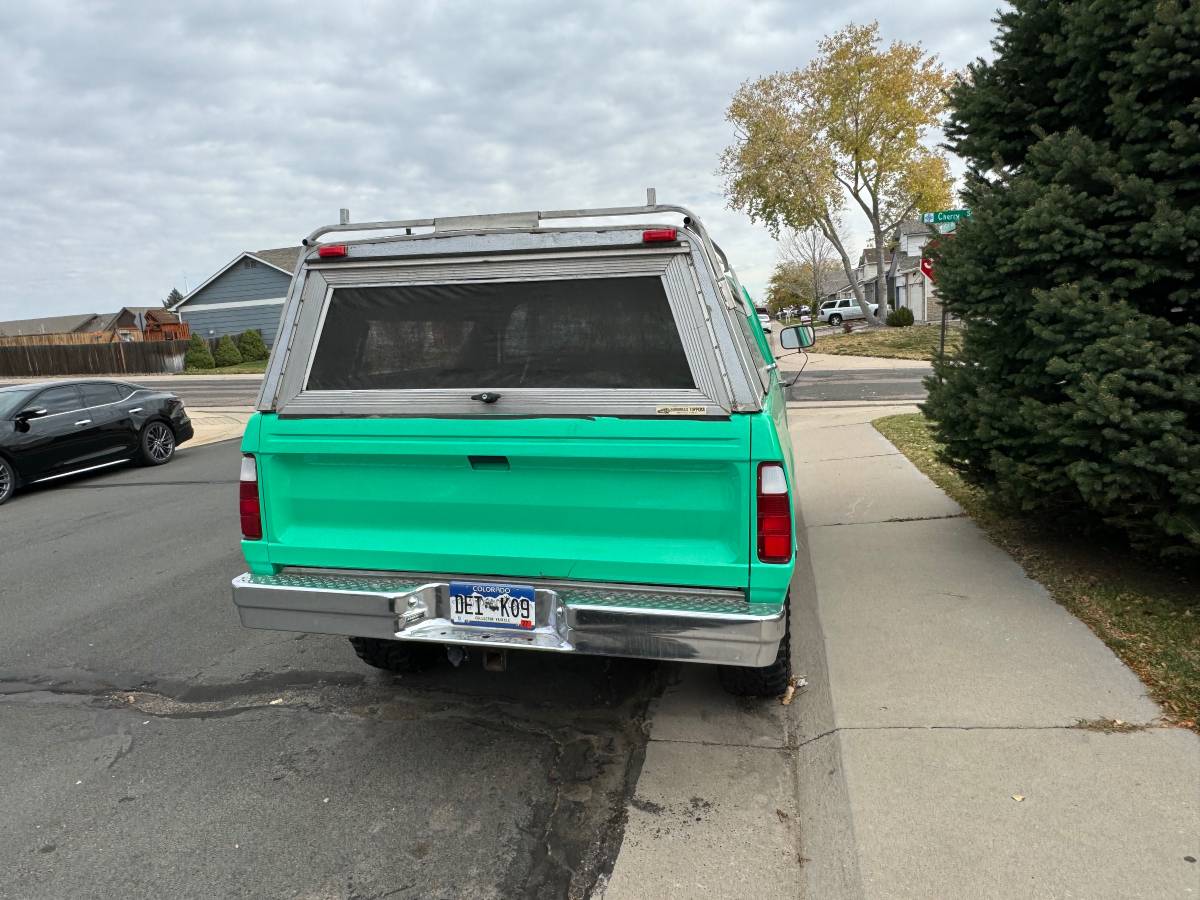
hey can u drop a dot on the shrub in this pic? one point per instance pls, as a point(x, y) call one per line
point(227, 352)
point(198, 354)
point(1078, 393)
point(900, 318)
point(251, 345)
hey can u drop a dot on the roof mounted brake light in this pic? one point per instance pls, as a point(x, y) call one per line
point(331, 250)
point(660, 235)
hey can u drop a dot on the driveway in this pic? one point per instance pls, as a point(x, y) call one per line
point(151, 746)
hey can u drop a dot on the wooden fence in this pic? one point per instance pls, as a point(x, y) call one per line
point(67, 337)
point(178, 331)
point(135, 358)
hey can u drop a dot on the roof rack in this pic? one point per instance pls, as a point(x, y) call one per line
point(525, 221)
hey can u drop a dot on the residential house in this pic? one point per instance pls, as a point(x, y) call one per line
point(76, 324)
point(130, 323)
point(247, 292)
point(864, 274)
point(146, 323)
point(910, 287)
point(160, 324)
point(906, 284)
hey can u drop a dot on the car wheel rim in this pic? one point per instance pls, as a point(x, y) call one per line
point(6, 482)
point(159, 443)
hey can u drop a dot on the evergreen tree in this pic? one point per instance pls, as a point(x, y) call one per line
point(227, 353)
point(1077, 391)
point(199, 356)
point(251, 345)
point(172, 298)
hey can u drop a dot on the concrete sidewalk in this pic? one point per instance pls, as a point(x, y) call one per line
point(837, 362)
point(943, 755)
point(937, 750)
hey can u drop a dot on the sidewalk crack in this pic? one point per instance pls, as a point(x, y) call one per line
point(1078, 725)
point(866, 456)
point(892, 521)
point(775, 748)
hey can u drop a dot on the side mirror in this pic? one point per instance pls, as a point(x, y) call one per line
point(797, 337)
point(22, 418)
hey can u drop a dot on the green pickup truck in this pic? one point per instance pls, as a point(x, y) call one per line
point(523, 432)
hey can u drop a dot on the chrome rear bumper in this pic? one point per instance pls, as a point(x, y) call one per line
point(693, 625)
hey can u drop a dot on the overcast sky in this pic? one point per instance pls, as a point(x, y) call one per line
point(143, 145)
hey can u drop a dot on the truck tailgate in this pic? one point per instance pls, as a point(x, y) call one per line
point(651, 501)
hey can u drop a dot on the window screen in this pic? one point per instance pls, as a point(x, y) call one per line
point(575, 333)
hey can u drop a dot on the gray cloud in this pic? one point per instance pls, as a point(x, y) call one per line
point(143, 144)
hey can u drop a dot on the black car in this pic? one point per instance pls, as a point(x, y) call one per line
point(63, 427)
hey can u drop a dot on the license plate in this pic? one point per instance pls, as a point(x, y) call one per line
point(491, 604)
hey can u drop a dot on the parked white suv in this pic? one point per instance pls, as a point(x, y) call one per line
point(835, 312)
point(765, 321)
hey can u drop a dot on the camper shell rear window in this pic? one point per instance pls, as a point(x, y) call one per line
point(614, 332)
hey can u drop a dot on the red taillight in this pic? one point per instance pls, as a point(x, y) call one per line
point(774, 515)
point(248, 506)
point(660, 235)
point(331, 250)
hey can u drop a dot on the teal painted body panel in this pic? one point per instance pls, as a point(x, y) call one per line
point(645, 501)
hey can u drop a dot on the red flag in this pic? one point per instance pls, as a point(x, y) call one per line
point(927, 267)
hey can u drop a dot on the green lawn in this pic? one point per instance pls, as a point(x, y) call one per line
point(247, 368)
point(1147, 611)
point(914, 342)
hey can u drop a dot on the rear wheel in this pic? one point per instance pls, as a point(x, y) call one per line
point(8, 479)
point(835, 320)
point(157, 444)
point(397, 656)
point(767, 681)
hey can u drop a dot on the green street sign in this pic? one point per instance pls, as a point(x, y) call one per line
point(945, 215)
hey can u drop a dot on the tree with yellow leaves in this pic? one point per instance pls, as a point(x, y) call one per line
point(850, 127)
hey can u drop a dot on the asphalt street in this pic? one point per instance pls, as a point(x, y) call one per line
point(225, 392)
point(851, 385)
point(151, 746)
point(219, 391)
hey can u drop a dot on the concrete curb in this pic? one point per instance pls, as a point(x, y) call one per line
point(829, 852)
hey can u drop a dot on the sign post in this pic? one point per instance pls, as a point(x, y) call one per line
point(945, 221)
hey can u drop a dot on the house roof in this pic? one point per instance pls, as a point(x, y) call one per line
point(911, 226)
point(281, 258)
point(54, 324)
point(870, 254)
point(144, 314)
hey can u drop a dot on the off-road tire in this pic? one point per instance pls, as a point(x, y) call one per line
point(156, 443)
point(397, 656)
point(8, 479)
point(835, 320)
point(768, 681)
